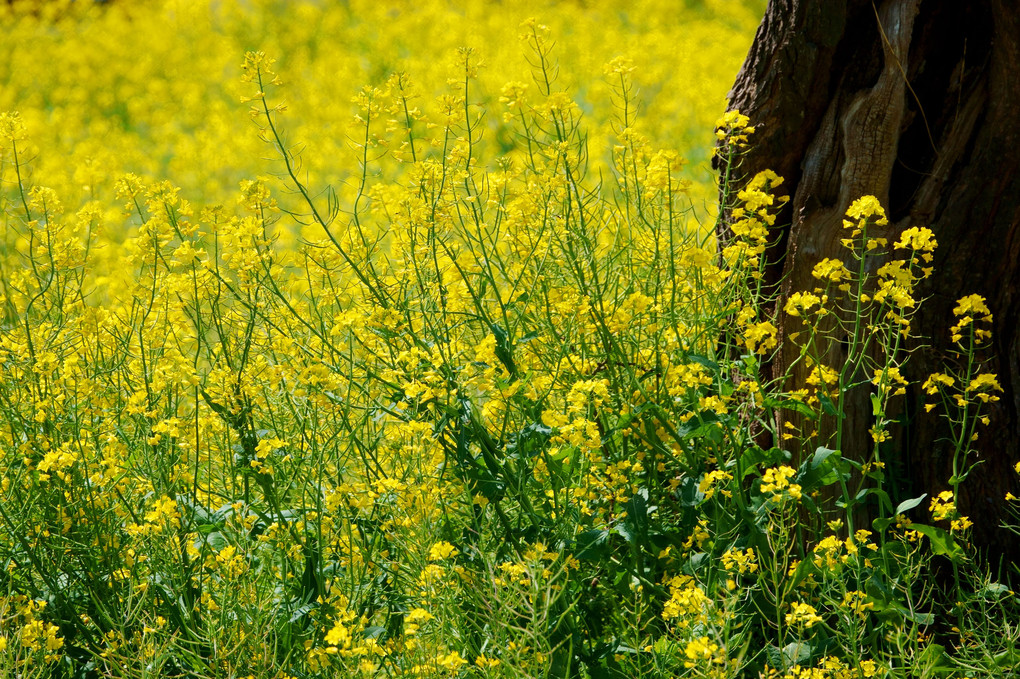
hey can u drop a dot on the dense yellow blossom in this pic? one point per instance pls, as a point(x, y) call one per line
point(369, 339)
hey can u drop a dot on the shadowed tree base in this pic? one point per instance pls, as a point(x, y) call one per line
point(918, 103)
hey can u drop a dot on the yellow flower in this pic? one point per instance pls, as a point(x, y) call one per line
point(822, 375)
point(709, 481)
point(256, 63)
point(918, 239)
point(712, 403)
point(960, 523)
point(831, 270)
point(888, 376)
point(733, 119)
point(741, 562)
point(865, 207)
point(970, 305)
point(513, 95)
point(803, 614)
point(828, 553)
point(12, 128)
point(856, 602)
point(486, 662)
point(931, 385)
point(686, 602)
point(418, 615)
point(760, 338)
point(801, 302)
point(942, 506)
point(441, 551)
point(701, 650)
point(777, 481)
point(733, 128)
point(339, 635)
point(620, 66)
point(984, 382)
point(451, 661)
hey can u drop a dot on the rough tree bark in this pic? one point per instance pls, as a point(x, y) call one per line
point(918, 103)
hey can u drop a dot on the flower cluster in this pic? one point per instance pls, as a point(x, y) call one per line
point(776, 481)
point(458, 381)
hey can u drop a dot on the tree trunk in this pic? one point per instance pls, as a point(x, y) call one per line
point(918, 103)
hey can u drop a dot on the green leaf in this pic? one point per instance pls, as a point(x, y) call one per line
point(822, 469)
point(821, 455)
point(942, 543)
point(703, 424)
point(375, 632)
point(504, 349)
point(704, 362)
point(996, 590)
point(1008, 658)
point(934, 661)
point(696, 562)
point(215, 540)
point(754, 456)
point(803, 570)
point(563, 453)
point(828, 407)
point(881, 524)
point(907, 505)
point(591, 544)
point(689, 493)
point(521, 299)
point(797, 653)
point(301, 612)
point(635, 523)
point(790, 404)
point(919, 618)
point(883, 498)
point(789, 655)
point(877, 589)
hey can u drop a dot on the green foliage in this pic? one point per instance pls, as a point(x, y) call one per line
point(497, 413)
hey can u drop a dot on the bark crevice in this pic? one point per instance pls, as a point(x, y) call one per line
point(917, 103)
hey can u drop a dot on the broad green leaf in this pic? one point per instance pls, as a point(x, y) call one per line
point(828, 407)
point(590, 544)
point(942, 543)
point(907, 505)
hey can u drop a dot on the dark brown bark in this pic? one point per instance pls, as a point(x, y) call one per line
point(918, 103)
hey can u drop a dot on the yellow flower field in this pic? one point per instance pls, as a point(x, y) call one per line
point(153, 88)
point(392, 339)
